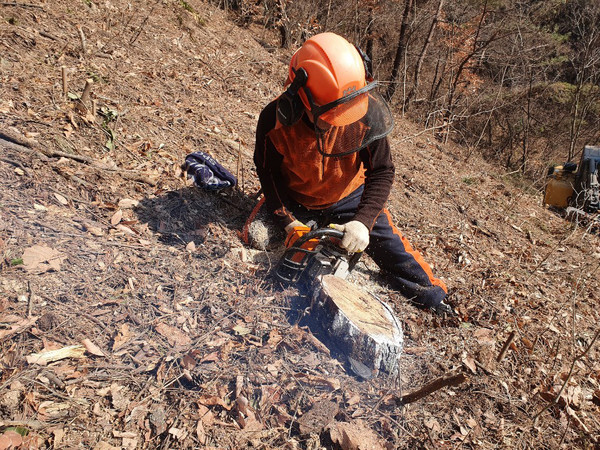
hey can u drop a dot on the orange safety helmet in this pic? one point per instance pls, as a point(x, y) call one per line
point(335, 69)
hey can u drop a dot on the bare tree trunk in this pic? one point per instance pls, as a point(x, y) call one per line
point(587, 66)
point(284, 31)
point(400, 50)
point(510, 141)
point(525, 155)
point(369, 34)
point(476, 49)
point(419, 65)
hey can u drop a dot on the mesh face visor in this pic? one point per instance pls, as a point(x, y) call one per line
point(351, 123)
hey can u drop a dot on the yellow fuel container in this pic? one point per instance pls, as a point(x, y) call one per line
point(559, 188)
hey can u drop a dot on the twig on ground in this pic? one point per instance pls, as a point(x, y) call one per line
point(30, 302)
point(63, 73)
point(141, 27)
point(48, 35)
point(435, 385)
point(506, 345)
point(239, 165)
point(31, 424)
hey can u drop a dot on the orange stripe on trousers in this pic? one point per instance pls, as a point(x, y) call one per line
point(415, 254)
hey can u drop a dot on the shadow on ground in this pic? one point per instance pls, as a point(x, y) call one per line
point(188, 215)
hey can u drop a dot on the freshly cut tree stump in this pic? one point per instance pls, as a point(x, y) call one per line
point(362, 326)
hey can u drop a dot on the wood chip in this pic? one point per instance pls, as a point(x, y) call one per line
point(43, 358)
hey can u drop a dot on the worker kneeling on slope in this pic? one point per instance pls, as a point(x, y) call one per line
point(322, 155)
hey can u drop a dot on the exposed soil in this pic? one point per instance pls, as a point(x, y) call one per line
point(182, 337)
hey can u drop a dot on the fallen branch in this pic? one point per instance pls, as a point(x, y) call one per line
point(11, 141)
point(22, 5)
point(73, 156)
point(141, 27)
point(435, 385)
point(17, 138)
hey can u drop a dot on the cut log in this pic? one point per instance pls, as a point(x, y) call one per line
point(363, 327)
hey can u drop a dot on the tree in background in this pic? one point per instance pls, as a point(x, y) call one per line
point(580, 19)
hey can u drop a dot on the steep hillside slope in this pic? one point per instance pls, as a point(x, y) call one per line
point(182, 340)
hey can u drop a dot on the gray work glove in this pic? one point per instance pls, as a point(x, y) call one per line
point(356, 235)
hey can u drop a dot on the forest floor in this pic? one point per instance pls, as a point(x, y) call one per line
point(171, 333)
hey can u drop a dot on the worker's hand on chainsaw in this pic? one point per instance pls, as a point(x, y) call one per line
point(295, 231)
point(356, 236)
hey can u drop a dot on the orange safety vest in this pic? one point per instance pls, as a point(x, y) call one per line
point(313, 180)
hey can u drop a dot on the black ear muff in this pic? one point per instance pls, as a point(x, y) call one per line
point(289, 105)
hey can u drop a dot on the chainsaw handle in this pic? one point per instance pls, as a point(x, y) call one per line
point(296, 259)
point(319, 234)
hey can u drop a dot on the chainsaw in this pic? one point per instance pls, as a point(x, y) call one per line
point(313, 255)
point(358, 324)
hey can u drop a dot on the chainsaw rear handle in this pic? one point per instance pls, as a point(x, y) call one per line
point(319, 234)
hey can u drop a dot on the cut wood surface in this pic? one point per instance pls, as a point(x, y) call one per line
point(364, 327)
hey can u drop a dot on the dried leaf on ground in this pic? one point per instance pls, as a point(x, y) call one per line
point(213, 400)
point(174, 335)
point(354, 436)
point(123, 336)
point(116, 217)
point(433, 424)
point(10, 439)
point(120, 401)
point(53, 410)
point(201, 433)
point(318, 417)
point(42, 258)
point(206, 415)
point(469, 362)
point(43, 358)
point(178, 433)
point(59, 434)
point(92, 348)
point(16, 327)
point(61, 199)
point(127, 203)
point(158, 419)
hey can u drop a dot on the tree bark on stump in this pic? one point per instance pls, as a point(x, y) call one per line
point(363, 327)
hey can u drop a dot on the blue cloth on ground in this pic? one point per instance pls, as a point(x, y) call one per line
point(207, 172)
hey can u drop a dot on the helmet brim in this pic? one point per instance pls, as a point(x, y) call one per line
point(346, 110)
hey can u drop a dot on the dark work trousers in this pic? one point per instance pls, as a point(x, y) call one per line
point(404, 267)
